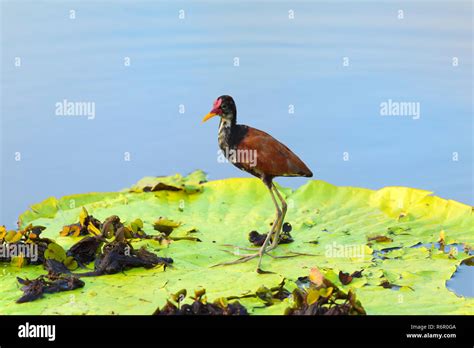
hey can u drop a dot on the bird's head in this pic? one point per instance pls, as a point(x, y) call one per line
point(224, 106)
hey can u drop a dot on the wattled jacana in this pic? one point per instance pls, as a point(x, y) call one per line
point(240, 143)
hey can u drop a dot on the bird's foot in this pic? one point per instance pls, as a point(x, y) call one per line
point(237, 248)
point(247, 257)
point(271, 245)
point(239, 260)
point(256, 251)
point(290, 254)
point(244, 257)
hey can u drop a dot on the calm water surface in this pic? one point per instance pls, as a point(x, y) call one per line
point(190, 62)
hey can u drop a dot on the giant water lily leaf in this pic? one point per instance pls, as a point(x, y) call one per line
point(191, 183)
point(47, 208)
point(332, 224)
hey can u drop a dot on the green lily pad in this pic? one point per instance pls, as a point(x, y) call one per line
point(225, 211)
point(55, 252)
point(190, 184)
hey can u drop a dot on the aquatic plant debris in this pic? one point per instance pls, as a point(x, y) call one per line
point(339, 219)
point(115, 256)
point(86, 250)
point(118, 256)
point(23, 247)
point(323, 297)
point(200, 306)
point(285, 237)
point(49, 284)
point(346, 278)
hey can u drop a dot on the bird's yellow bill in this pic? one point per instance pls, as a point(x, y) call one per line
point(208, 116)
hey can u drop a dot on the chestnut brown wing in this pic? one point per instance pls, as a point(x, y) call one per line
point(273, 158)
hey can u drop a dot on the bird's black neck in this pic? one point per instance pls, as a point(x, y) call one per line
point(230, 134)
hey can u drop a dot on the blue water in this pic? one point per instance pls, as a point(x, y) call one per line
point(462, 281)
point(190, 61)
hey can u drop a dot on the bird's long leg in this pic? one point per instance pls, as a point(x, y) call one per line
point(274, 230)
point(277, 223)
point(284, 208)
point(274, 234)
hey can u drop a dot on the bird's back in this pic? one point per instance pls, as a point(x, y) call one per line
point(270, 157)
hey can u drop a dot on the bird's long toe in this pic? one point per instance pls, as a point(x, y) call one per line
point(239, 260)
point(239, 247)
point(236, 253)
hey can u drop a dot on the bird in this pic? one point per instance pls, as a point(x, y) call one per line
point(269, 159)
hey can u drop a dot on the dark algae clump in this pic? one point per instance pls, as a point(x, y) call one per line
point(323, 297)
point(47, 284)
point(118, 256)
point(257, 239)
point(107, 244)
point(200, 306)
